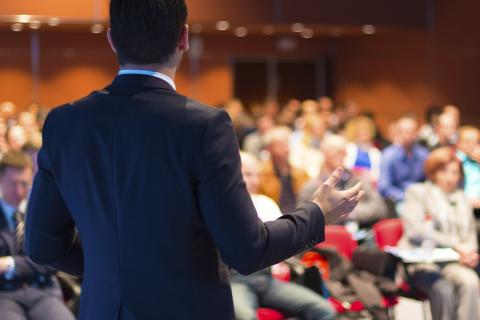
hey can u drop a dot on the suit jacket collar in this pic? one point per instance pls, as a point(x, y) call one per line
point(139, 81)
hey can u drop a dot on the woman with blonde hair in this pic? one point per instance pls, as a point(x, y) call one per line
point(305, 144)
point(362, 156)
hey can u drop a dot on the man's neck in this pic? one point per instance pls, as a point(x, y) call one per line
point(166, 69)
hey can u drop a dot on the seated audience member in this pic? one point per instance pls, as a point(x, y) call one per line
point(16, 138)
point(253, 142)
point(371, 207)
point(426, 134)
point(452, 288)
point(242, 121)
point(453, 111)
point(27, 290)
point(327, 110)
point(7, 112)
point(468, 146)
point(307, 107)
point(402, 162)
point(362, 156)
point(289, 113)
point(280, 180)
point(29, 122)
point(3, 137)
point(445, 131)
point(305, 144)
point(260, 289)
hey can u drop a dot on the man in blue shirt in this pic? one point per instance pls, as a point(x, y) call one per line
point(27, 290)
point(402, 163)
point(467, 151)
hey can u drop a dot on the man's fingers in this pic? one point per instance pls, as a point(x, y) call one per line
point(352, 192)
point(335, 177)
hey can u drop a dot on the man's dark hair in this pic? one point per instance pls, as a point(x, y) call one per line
point(146, 31)
point(15, 160)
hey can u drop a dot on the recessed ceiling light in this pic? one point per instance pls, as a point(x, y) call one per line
point(17, 27)
point(53, 22)
point(24, 18)
point(368, 29)
point(307, 33)
point(298, 27)
point(97, 28)
point(35, 24)
point(241, 32)
point(222, 25)
point(268, 30)
point(196, 28)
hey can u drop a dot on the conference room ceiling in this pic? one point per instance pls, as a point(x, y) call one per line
point(241, 18)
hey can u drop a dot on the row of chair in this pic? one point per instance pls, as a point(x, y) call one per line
point(387, 233)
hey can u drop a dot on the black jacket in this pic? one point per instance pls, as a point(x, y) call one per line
point(152, 182)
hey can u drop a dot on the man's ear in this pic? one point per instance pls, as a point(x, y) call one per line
point(110, 40)
point(183, 42)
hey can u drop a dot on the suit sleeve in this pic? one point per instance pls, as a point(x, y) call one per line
point(50, 236)
point(244, 241)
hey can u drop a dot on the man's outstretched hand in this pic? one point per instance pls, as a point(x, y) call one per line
point(337, 204)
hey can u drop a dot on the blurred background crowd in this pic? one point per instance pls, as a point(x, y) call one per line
point(424, 172)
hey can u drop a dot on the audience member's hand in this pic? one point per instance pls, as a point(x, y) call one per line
point(337, 204)
point(468, 256)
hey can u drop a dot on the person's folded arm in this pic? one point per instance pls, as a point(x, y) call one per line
point(244, 241)
point(50, 235)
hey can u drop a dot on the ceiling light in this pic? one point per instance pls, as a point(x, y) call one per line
point(196, 28)
point(222, 25)
point(368, 29)
point(53, 22)
point(35, 24)
point(298, 27)
point(24, 18)
point(241, 32)
point(97, 28)
point(17, 27)
point(268, 30)
point(307, 33)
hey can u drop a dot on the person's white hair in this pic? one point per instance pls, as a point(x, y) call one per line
point(249, 159)
point(333, 141)
point(280, 133)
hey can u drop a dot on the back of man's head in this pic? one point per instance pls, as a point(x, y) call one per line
point(146, 31)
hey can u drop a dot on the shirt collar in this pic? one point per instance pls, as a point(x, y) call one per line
point(9, 212)
point(155, 74)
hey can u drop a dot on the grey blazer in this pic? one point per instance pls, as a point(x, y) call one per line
point(452, 216)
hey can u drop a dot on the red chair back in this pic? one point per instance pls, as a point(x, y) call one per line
point(388, 232)
point(269, 314)
point(339, 238)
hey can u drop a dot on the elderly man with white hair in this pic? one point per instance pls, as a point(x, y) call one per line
point(371, 208)
point(260, 289)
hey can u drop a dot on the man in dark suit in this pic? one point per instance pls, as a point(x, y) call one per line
point(152, 182)
point(27, 290)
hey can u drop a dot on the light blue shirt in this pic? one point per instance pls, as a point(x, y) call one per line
point(471, 169)
point(10, 217)
point(150, 73)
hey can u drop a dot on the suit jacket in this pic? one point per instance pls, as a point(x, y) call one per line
point(152, 182)
point(25, 269)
